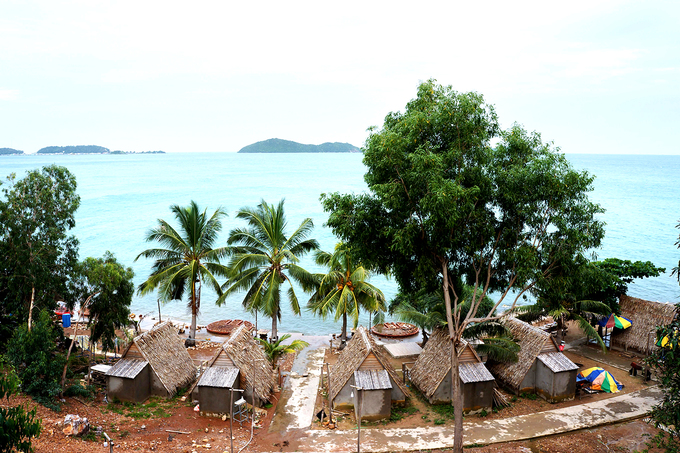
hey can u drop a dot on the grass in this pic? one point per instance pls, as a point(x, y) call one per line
point(156, 407)
point(399, 412)
point(529, 396)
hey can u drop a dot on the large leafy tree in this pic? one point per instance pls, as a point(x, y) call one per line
point(39, 257)
point(186, 258)
point(582, 290)
point(344, 290)
point(265, 257)
point(445, 208)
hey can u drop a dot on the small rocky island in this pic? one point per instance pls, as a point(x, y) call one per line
point(9, 151)
point(276, 145)
point(89, 149)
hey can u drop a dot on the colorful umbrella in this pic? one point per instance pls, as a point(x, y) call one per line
point(665, 342)
point(600, 379)
point(615, 321)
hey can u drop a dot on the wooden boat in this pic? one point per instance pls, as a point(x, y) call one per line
point(395, 329)
point(226, 326)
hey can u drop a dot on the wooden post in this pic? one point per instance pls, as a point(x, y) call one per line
point(330, 402)
point(231, 419)
point(360, 402)
point(159, 310)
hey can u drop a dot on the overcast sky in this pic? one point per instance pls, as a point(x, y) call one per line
point(594, 77)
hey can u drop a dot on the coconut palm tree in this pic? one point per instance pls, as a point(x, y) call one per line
point(186, 259)
point(264, 258)
point(344, 290)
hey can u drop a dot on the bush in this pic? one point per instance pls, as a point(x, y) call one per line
point(33, 354)
point(18, 425)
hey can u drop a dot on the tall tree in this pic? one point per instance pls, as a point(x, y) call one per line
point(187, 258)
point(264, 257)
point(344, 290)
point(446, 209)
point(39, 257)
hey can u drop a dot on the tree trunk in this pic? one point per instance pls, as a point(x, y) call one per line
point(425, 338)
point(456, 395)
point(275, 333)
point(343, 334)
point(68, 354)
point(30, 309)
point(457, 400)
point(194, 312)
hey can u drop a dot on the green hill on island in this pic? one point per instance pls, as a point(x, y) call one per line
point(276, 145)
point(4, 151)
point(80, 149)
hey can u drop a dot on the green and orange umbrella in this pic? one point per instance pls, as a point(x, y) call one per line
point(600, 379)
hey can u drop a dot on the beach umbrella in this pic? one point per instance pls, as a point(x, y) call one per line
point(665, 342)
point(615, 321)
point(600, 379)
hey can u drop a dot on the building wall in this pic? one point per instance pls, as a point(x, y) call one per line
point(344, 400)
point(476, 395)
point(528, 384)
point(375, 404)
point(555, 387)
point(133, 390)
point(156, 386)
point(215, 400)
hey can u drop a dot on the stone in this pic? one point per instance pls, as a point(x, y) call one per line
point(75, 425)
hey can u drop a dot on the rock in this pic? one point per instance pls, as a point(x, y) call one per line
point(75, 425)
point(143, 426)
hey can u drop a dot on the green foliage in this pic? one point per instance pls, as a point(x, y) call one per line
point(276, 145)
point(36, 213)
point(666, 364)
point(275, 350)
point(78, 149)
point(87, 392)
point(33, 354)
point(188, 259)
point(483, 413)
point(18, 424)
point(264, 258)
point(344, 289)
point(108, 286)
point(529, 396)
point(155, 408)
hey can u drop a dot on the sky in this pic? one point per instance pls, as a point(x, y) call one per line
point(591, 76)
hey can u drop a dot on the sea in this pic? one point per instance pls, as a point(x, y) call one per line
point(122, 196)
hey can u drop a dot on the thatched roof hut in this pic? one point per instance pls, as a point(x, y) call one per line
point(541, 366)
point(241, 351)
point(432, 373)
point(360, 354)
point(646, 317)
point(169, 365)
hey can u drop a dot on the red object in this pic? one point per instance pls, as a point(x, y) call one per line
point(561, 347)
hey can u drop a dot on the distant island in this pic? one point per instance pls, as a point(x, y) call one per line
point(7, 151)
point(89, 149)
point(276, 145)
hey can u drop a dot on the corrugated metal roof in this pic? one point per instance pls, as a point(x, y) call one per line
point(372, 379)
point(474, 372)
point(557, 362)
point(127, 368)
point(219, 376)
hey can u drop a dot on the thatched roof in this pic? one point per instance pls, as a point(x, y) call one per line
point(249, 358)
point(532, 342)
point(646, 317)
point(350, 359)
point(169, 359)
point(434, 364)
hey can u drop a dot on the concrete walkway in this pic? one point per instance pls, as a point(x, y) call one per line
point(613, 410)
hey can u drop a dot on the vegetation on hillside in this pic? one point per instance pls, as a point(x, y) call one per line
point(79, 149)
point(276, 145)
point(10, 151)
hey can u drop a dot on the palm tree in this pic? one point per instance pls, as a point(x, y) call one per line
point(275, 350)
point(264, 258)
point(187, 258)
point(344, 290)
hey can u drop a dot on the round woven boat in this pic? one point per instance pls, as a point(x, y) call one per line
point(395, 329)
point(227, 326)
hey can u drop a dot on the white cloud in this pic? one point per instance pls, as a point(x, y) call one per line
point(8, 95)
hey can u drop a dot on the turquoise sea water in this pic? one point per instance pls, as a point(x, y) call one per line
point(123, 195)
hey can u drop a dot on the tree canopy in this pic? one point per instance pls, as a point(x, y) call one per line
point(36, 214)
point(446, 208)
point(108, 286)
point(188, 258)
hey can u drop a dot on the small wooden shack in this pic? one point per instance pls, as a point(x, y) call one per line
point(646, 316)
point(541, 368)
point(155, 363)
point(432, 374)
point(364, 365)
point(239, 364)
